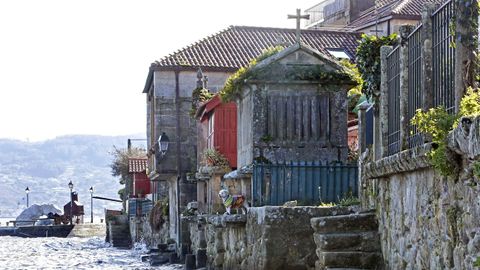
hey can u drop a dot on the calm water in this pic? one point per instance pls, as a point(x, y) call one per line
point(69, 253)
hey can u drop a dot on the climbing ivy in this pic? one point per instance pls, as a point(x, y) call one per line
point(437, 123)
point(368, 61)
point(234, 83)
point(199, 95)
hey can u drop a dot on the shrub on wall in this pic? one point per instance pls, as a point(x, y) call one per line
point(437, 123)
point(368, 61)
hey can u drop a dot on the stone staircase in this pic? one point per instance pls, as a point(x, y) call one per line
point(88, 230)
point(119, 232)
point(347, 242)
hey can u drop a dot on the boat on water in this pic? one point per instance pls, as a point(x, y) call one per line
point(37, 231)
point(39, 221)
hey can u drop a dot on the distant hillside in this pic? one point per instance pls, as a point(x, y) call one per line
point(47, 167)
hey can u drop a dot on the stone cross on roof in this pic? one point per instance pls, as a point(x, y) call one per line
point(298, 17)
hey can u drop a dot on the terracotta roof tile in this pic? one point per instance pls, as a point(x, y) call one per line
point(137, 165)
point(386, 8)
point(236, 46)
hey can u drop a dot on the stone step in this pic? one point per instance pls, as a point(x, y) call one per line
point(345, 223)
point(362, 260)
point(361, 241)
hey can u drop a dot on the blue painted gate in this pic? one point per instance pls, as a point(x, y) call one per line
point(307, 182)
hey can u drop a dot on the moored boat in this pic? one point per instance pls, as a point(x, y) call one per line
point(37, 231)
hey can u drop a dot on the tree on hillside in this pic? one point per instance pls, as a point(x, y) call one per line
point(119, 168)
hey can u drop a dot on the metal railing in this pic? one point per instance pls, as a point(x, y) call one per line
point(393, 73)
point(307, 182)
point(414, 99)
point(443, 57)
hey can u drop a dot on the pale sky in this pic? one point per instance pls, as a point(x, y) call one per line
point(79, 67)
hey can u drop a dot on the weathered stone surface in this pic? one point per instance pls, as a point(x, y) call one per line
point(366, 260)
point(281, 237)
point(362, 241)
point(156, 260)
point(405, 161)
point(465, 139)
point(428, 221)
point(351, 223)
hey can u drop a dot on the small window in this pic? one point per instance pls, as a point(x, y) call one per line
point(339, 53)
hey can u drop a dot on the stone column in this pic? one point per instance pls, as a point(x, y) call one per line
point(362, 128)
point(362, 146)
point(382, 142)
point(466, 43)
point(427, 93)
point(427, 54)
point(405, 31)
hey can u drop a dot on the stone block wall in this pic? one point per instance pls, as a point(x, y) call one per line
point(426, 220)
point(141, 231)
point(268, 237)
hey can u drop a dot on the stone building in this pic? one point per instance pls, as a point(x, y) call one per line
point(386, 16)
point(336, 13)
point(381, 17)
point(171, 80)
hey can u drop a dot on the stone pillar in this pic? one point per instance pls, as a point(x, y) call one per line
point(466, 43)
point(382, 141)
point(362, 128)
point(427, 54)
point(427, 93)
point(362, 146)
point(405, 31)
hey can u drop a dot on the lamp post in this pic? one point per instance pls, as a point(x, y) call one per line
point(27, 190)
point(91, 204)
point(163, 142)
point(70, 186)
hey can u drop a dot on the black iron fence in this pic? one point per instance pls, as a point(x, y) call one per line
point(414, 99)
point(393, 74)
point(307, 182)
point(443, 69)
point(443, 65)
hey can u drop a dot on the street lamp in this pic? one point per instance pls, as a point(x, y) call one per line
point(27, 190)
point(70, 186)
point(91, 203)
point(163, 143)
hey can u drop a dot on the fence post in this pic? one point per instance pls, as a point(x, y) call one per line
point(405, 31)
point(362, 128)
point(426, 52)
point(466, 42)
point(381, 144)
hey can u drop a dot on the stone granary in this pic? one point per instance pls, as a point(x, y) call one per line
point(294, 108)
point(74, 209)
point(172, 79)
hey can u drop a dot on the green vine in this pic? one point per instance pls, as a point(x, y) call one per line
point(476, 263)
point(234, 83)
point(214, 158)
point(199, 95)
point(368, 61)
point(437, 123)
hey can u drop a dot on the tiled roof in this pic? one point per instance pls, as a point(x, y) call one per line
point(395, 8)
point(236, 46)
point(137, 165)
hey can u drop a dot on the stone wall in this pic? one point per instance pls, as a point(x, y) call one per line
point(141, 231)
point(268, 237)
point(426, 220)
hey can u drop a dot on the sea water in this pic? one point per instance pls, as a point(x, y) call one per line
point(70, 253)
